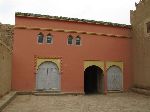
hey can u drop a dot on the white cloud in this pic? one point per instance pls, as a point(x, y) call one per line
point(103, 10)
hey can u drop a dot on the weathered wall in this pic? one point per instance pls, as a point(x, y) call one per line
point(141, 44)
point(5, 58)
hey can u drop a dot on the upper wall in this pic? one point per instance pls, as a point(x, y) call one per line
point(141, 43)
point(73, 24)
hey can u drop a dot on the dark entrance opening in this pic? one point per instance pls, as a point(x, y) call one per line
point(93, 80)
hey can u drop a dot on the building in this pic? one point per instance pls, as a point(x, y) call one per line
point(70, 55)
point(140, 20)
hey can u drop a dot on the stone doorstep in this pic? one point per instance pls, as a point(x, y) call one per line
point(141, 91)
point(5, 100)
point(117, 91)
point(47, 94)
point(48, 91)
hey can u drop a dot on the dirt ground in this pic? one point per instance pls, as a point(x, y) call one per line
point(112, 102)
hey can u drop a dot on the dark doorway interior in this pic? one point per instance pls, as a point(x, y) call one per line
point(93, 80)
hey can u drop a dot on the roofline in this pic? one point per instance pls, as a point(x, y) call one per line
point(60, 18)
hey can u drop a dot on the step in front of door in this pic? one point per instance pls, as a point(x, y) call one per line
point(47, 94)
point(47, 91)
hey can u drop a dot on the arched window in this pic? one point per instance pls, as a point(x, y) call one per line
point(70, 40)
point(78, 40)
point(40, 38)
point(49, 39)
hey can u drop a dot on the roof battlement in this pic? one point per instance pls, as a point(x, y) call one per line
point(140, 7)
point(60, 18)
point(140, 4)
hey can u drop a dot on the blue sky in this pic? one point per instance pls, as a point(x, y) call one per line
point(117, 11)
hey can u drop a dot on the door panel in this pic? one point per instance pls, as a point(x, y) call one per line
point(114, 78)
point(54, 77)
point(41, 79)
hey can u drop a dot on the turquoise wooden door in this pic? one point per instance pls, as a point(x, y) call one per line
point(114, 79)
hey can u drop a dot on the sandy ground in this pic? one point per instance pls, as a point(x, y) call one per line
point(114, 102)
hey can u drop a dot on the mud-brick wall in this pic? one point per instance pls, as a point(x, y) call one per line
point(141, 44)
point(6, 33)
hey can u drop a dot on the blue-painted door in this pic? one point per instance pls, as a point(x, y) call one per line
point(114, 79)
point(48, 77)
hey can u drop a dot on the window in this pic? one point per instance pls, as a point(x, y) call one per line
point(78, 40)
point(49, 39)
point(148, 27)
point(40, 38)
point(70, 40)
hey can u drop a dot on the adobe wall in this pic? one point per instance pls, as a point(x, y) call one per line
point(141, 44)
point(5, 58)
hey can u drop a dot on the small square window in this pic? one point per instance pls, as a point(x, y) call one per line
point(78, 40)
point(148, 27)
point(70, 40)
point(49, 40)
point(40, 38)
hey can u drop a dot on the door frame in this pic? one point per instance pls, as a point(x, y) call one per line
point(101, 65)
point(119, 64)
point(38, 60)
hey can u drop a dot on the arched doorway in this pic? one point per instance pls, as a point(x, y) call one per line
point(114, 79)
point(93, 80)
point(48, 77)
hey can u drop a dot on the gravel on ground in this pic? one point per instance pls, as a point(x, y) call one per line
point(112, 102)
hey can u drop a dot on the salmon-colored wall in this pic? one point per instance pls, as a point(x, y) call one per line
point(93, 47)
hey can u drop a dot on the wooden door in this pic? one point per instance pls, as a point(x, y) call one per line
point(48, 77)
point(114, 79)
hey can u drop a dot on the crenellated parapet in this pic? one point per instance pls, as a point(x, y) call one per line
point(141, 12)
point(141, 3)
